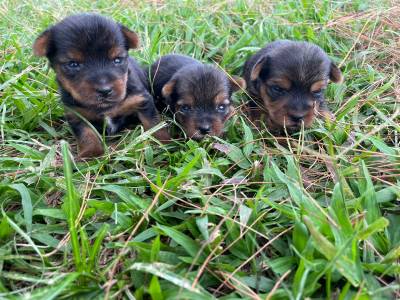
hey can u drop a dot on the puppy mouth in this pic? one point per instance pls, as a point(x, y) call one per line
point(110, 99)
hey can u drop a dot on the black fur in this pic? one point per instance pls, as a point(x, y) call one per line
point(199, 82)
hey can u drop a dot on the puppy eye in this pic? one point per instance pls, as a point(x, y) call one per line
point(221, 108)
point(118, 60)
point(184, 108)
point(277, 89)
point(73, 65)
point(318, 93)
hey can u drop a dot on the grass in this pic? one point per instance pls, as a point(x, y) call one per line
point(313, 216)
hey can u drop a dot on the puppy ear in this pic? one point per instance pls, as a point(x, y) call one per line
point(335, 75)
point(255, 72)
point(42, 44)
point(168, 88)
point(237, 83)
point(131, 37)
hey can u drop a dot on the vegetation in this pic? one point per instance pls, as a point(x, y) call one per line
point(248, 216)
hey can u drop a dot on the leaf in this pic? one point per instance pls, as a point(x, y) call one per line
point(339, 207)
point(191, 246)
point(54, 213)
point(202, 225)
point(248, 140)
point(235, 154)
point(126, 195)
point(377, 225)
point(244, 215)
point(344, 265)
point(5, 229)
point(26, 204)
point(155, 249)
point(368, 195)
point(155, 289)
point(164, 271)
point(71, 205)
point(54, 290)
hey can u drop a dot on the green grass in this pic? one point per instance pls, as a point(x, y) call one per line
point(315, 215)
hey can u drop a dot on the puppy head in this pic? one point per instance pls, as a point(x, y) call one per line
point(89, 54)
point(291, 79)
point(200, 97)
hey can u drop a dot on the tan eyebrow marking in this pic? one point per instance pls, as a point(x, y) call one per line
point(318, 85)
point(221, 98)
point(75, 55)
point(115, 52)
point(281, 82)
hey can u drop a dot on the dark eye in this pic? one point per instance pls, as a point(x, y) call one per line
point(118, 60)
point(318, 93)
point(277, 89)
point(221, 108)
point(184, 108)
point(73, 65)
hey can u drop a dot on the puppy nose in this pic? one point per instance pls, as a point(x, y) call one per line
point(205, 128)
point(296, 118)
point(104, 91)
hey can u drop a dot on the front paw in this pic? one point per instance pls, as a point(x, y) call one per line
point(163, 136)
point(90, 151)
point(89, 144)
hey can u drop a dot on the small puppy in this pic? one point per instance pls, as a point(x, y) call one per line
point(198, 95)
point(98, 80)
point(287, 80)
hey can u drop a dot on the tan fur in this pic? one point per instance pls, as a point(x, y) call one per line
point(221, 98)
point(282, 82)
point(89, 144)
point(131, 37)
point(41, 44)
point(238, 83)
point(318, 85)
point(75, 55)
point(168, 88)
point(115, 52)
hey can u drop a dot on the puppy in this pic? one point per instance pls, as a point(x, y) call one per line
point(98, 81)
point(287, 80)
point(198, 95)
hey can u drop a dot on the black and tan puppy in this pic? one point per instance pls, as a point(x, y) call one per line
point(287, 80)
point(98, 80)
point(198, 95)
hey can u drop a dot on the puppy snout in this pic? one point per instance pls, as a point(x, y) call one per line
point(104, 91)
point(297, 118)
point(205, 128)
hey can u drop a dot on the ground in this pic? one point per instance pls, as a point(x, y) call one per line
point(246, 216)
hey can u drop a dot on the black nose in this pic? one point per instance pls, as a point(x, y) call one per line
point(205, 128)
point(104, 91)
point(297, 118)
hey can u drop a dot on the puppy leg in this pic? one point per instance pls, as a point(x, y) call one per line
point(149, 116)
point(89, 145)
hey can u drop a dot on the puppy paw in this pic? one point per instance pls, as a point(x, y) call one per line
point(90, 151)
point(163, 136)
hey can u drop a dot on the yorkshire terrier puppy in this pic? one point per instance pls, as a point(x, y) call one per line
point(98, 81)
point(197, 95)
point(286, 81)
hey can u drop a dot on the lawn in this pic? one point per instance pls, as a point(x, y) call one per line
point(314, 215)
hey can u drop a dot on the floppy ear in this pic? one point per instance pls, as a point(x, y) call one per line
point(168, 88)
point(237, 83)
point(131, 37)
point(42, 43)
point(335, 75)
point(255, 72)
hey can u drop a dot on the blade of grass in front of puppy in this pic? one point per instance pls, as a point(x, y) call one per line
point(71, 205)
point(101, 233)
